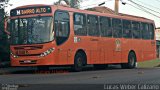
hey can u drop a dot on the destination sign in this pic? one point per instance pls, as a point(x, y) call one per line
point(31, 10)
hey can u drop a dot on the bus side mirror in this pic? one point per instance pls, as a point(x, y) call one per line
point(5, 26)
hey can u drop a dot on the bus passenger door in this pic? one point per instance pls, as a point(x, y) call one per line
point(62, 29)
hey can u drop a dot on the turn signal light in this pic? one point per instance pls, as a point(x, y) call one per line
point(49, 51)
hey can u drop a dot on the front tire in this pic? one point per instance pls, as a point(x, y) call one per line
point(131, 61)
point(78, 62)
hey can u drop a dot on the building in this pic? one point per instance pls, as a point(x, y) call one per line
point(157, 32)
point(104, 9)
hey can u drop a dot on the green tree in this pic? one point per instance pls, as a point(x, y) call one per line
point(4, 43)
point(75, 3)
point(71, 3)
point(3, 16)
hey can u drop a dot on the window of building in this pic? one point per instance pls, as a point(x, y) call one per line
point(80, 24)
point(105, 26)
point(117, 28)
point(93, 27)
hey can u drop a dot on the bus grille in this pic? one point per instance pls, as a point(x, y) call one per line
point(29, 55)
point(28, 47)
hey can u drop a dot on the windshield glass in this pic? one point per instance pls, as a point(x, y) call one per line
point(31, 30)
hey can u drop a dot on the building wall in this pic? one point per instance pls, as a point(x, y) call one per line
point(157, 33)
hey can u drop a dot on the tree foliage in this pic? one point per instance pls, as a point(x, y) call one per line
point(71, 3)
point(4, 44)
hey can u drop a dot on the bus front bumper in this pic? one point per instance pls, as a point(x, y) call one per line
point(33, 61)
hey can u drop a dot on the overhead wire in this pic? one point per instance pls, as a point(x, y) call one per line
point(139, 5)
point(142, 9)
point(95, 4)
point(148, 5)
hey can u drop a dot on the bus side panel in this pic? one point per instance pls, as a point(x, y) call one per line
point(111, 55)
point(148, 50)
point(108, 47)
point(104, 44)
point(132, 44)
point(94, 51)
point(101, 50)
point(83, 44)
point(126, 45)
point(137, 48)
point(117, 50)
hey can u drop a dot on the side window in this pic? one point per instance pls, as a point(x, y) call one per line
point(61, 25)
point(136, 31)
point(145, 31)
point(151, 27)
point(127, 33)
point(63, 29)
point(93, 27)
point(117, 28)
point(105, 25)
point(80, 24)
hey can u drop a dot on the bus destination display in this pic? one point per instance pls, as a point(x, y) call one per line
point(31, 10)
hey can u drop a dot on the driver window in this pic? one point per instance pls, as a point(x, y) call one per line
point(61, 24)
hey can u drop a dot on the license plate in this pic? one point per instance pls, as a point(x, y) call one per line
point(27, 61)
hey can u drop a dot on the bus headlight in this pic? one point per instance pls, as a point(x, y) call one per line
point(47, 52)
point(15, 56)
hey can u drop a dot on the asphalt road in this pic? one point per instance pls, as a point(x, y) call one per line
point(95, 79)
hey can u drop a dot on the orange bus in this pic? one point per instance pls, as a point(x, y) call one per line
point(48, 35)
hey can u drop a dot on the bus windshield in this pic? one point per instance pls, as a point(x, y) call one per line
point(33, 30)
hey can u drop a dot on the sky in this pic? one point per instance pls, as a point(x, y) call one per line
point(127, 8)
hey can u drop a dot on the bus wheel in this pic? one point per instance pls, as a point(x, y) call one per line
point(131, 61)
point(100, 66)
point(78, 62)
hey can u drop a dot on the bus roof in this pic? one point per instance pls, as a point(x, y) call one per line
point(32, 5)
point(120, 15)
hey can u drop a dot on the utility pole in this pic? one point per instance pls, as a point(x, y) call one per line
point(116, 8)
